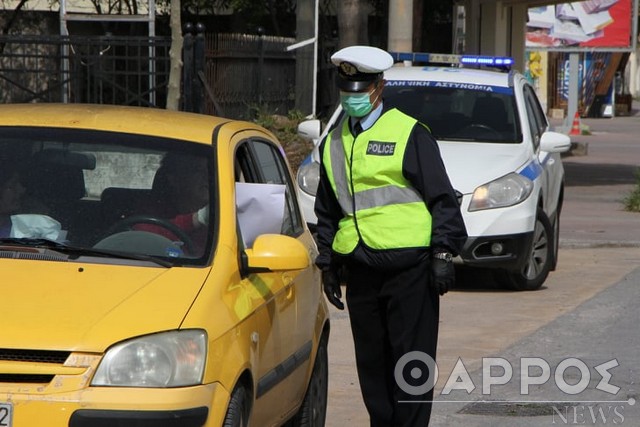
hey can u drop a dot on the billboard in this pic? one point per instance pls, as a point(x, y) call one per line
point(584, 25)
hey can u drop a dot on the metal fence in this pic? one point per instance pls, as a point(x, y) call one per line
point(232, 75)
point(246, 73)
point(87, 69)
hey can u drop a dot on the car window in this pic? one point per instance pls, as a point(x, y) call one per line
point(537, 118)
point(475, 113)
point(262, 162)
point(118, 192)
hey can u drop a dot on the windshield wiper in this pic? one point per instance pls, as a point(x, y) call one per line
point(77, 251)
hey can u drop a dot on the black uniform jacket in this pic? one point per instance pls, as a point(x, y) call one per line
point(422, 166)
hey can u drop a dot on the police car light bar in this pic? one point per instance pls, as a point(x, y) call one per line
point(444, 58)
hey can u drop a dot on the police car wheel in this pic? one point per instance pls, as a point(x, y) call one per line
point(536, 269)
point(556, 241)
point(556, 230)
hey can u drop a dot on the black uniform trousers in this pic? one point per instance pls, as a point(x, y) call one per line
point(393, 313)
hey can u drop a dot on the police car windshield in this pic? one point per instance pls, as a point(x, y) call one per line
point(458, 114)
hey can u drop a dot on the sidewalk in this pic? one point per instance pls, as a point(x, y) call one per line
point(599, 173)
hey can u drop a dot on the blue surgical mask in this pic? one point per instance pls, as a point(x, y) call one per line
point(356, 104)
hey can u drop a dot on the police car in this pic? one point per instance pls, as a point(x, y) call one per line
point(501, 156)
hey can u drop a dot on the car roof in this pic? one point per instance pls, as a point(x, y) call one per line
point(449, 74)
point(134, 120)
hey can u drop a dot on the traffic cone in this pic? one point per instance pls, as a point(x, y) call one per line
point(575, 127)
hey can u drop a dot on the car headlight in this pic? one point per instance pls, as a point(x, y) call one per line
point(167, 359)
point(506, 191)
point(309, 177)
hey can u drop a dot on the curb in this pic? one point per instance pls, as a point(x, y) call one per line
point(595, 244)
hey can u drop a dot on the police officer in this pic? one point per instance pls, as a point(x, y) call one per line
point(387, 214)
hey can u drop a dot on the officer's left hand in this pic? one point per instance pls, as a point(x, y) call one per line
point(331, 285)
point(443, 275)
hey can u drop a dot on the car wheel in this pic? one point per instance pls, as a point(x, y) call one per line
point(313, 411)
point(556, 231)
point(238, 409)
point(536, 269)
point(556, 241)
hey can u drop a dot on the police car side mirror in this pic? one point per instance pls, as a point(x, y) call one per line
point(310, 129)
point(554, 142)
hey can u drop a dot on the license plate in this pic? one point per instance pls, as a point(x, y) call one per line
point(6, 414)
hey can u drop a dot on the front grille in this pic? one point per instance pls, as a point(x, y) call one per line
point(31, 356)
point(34, 356)
point(25, 378)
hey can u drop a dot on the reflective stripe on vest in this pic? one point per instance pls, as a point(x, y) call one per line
point(389, 212)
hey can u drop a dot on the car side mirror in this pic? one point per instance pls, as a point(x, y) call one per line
point(310, 129)
point(554, 142)
point(274, 252)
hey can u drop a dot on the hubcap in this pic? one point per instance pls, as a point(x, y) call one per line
point(539, 253)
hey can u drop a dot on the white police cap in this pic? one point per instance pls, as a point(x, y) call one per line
point(358, 66)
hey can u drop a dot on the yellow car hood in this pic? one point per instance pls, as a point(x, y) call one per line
point(88, 307)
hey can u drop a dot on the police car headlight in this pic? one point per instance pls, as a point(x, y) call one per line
point(168, 359)
point(506, 191)
point(309, 176)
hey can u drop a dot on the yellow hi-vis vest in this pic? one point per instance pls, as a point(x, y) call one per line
point(379, 205)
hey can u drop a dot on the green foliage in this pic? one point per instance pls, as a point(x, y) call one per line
point(632, 201)
point(285, 128)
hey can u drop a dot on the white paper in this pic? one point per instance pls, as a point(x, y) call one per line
point(541, 16)
point(35, 226)
point(260, 209)
point(592, 22)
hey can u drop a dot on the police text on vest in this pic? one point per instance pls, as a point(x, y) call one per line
point(378, 148)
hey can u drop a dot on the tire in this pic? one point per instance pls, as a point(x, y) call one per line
point(556, 231)
point(313, 411)
point(238, 409)
point(536, 269)
point(556, 242)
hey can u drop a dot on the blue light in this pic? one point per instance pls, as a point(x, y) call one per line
point(487, 60)
point(440, 58)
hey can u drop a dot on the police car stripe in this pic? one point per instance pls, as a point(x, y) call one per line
point(451, 85)
point(532, 170)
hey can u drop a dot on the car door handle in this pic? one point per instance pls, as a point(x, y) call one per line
point(287, 280)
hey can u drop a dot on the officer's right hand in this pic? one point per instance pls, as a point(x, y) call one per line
point(443, 275)
point(331, 286)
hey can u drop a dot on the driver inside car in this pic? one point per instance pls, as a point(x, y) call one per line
point(181, 196)
point(21, 216)
point(11, 193)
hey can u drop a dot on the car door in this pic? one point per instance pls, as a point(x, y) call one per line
point(285, 352)
point(550, 162)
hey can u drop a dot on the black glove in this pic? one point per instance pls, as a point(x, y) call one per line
point(443, 275)
point(331, 286)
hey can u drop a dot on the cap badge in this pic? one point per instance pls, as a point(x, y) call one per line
point(348, 68)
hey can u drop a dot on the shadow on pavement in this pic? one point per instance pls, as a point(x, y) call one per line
point(469, 279)
point(587, 174)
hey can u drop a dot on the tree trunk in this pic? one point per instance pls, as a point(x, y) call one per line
point(175, 54)
point(10, 22)
point(352, 23)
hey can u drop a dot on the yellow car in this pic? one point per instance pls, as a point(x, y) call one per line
point(156, 270)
